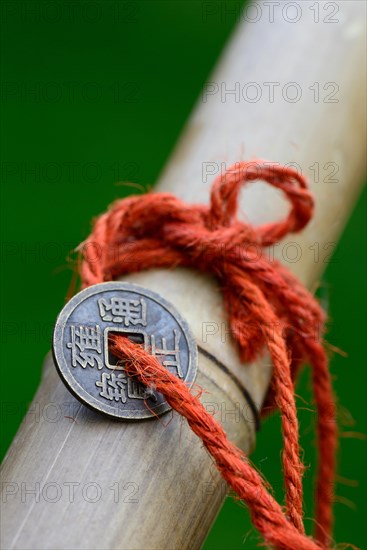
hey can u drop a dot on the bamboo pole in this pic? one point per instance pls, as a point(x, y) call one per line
point(104, 484)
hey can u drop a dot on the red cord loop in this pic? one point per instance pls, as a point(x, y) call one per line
point(227, 186)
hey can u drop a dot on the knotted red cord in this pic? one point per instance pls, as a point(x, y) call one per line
point(267, 306)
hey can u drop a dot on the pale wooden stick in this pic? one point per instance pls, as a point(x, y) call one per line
point(169, 492)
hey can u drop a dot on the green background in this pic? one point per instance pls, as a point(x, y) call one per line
point(113, 83)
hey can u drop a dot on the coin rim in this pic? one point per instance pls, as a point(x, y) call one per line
point(76, 389)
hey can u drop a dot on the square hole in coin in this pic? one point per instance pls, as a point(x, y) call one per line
point(135, 336)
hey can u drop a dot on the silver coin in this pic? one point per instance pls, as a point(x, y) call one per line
point(91, 372)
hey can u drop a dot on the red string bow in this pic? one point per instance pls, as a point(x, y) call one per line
point(267, 307)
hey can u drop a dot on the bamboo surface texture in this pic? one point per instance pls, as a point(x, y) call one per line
point(150, 484)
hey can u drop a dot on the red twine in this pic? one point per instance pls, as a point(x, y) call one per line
point(267, 306)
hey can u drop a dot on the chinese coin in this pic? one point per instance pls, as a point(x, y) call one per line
point(89, 369)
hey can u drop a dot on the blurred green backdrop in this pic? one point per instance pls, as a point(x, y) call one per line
point(95, 93)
